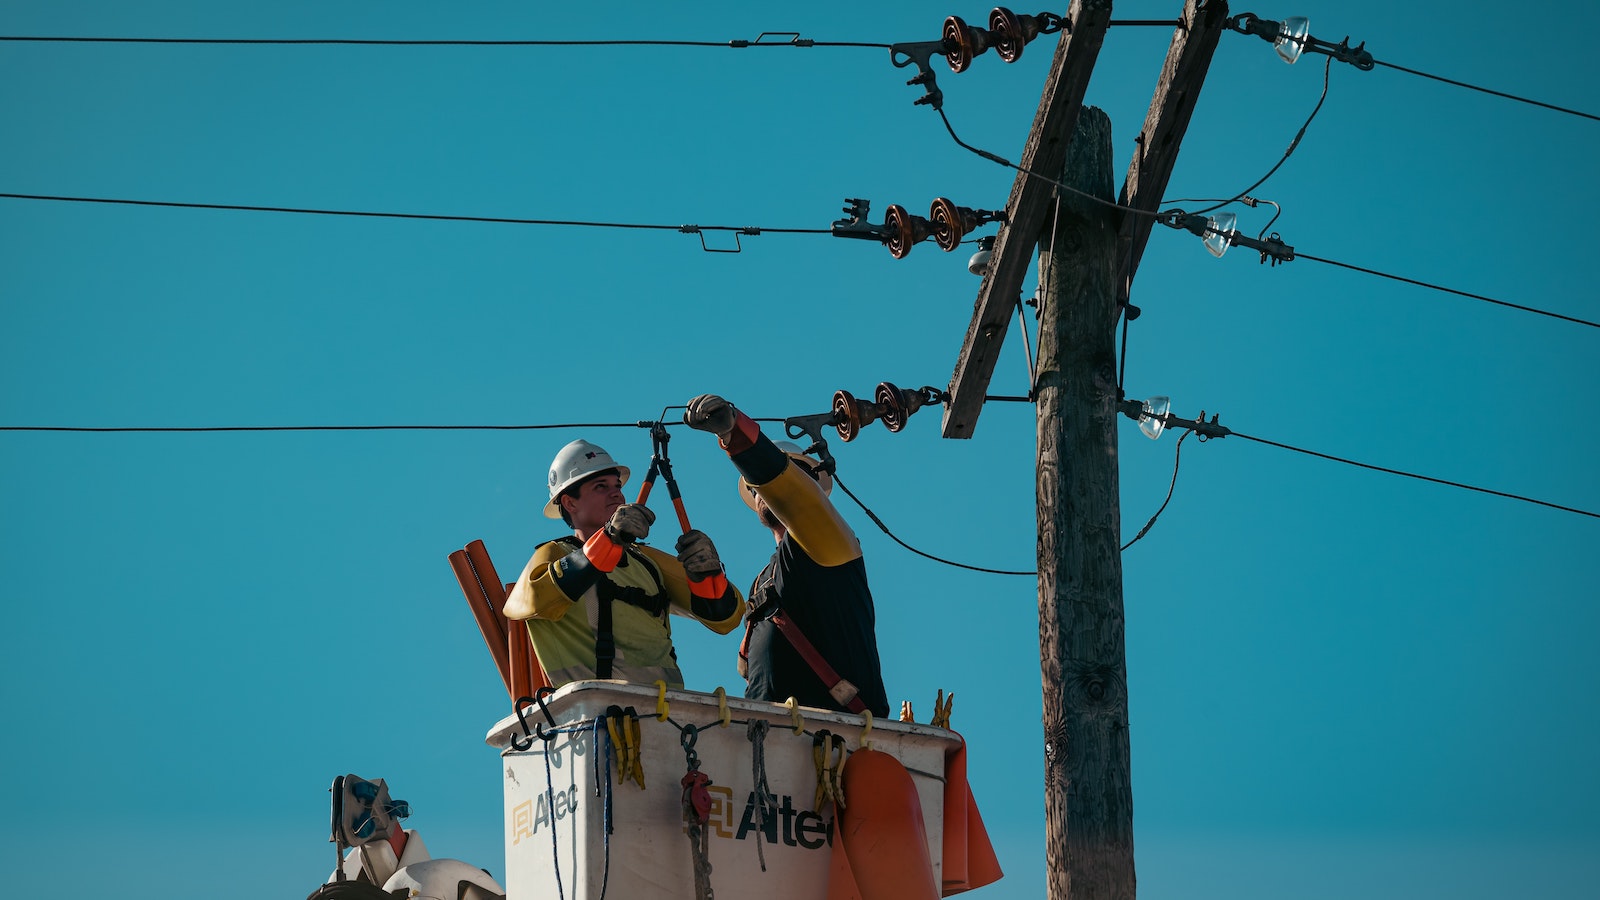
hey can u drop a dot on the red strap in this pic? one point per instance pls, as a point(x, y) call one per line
point(814, 659)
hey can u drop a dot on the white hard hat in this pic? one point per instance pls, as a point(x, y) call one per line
point(795, 452)
point(577, 461)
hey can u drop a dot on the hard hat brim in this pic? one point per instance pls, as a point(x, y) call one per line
point(552, 509)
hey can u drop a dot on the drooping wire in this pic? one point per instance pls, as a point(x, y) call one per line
point(994, 158)
point(688, 229)
point(1456, 484)
point(885, 529)
point(1473, 87)
point(1251, 202)
point(1326, 69)
point(1000, 160)
point(1436, 287)
point(1177, 451)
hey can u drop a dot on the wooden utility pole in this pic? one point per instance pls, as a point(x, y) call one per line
point(1088, 793)
point(1090, 252)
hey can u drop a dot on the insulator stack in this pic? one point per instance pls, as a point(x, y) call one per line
point(962, 43)
point(1007, 33)
point(951, 222)
point(851, 415)
point(891, 404)
point(904, 230)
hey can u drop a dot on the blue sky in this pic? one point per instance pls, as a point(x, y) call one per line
point(1341, 682)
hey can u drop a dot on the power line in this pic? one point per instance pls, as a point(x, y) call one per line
point(885, 529)
point(1436, 287)
point(1473, 87)
point(737, 44)
point(1456, 484)
point(1177, 454)
point(687, 229)
point(257, 428)
point(1326, 70)
point(1166, 218)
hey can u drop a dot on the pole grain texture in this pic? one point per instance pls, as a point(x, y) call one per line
point(1088, 789)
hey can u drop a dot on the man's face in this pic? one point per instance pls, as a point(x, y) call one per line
point(592, 502)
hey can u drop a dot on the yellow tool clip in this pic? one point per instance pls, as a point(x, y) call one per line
point(941, 709)
point(623, 726)
point(827, 754)
point(661, 701)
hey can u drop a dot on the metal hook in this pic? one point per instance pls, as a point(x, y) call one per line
point(538, 729)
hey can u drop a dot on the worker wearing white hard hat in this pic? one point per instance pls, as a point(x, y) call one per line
point(597, 602)
point(811, 632)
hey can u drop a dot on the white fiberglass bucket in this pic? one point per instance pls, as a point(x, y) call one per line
point(556, 794)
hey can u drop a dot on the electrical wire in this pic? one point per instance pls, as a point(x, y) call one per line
point(736, 44)
point(1128, 209)
point(1436, 287)
point(885, 529)
point(687, 229)
point(1177, 451)
point(1456, 484)
point(227, 428)
point(1326, 70)
point(1032, 174)
point(1473, 87)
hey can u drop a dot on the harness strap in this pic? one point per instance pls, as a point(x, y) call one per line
point(839, 688)
point(607, 592)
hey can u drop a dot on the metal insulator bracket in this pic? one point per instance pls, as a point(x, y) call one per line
point(855, 224)
point(920, 53)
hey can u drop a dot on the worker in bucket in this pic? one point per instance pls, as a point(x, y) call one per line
point(597, 602)
point(810, 633)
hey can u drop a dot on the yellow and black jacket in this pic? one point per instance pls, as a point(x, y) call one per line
point(638, 595)
point(817, 578)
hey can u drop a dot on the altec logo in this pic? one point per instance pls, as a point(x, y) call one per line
point(526, 817)
point(785, 824)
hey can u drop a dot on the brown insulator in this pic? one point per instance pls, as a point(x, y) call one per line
point(853, 415)
point(893, 402)
point(898, 405)
point(904, 230)
point(1011, 32)
point(962, 43)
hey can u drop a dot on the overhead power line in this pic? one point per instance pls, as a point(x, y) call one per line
point(794, 40)
point(1473, 87)
point(1455, 484)
point(502, 220)
point(1436, 287)
point(184, 429)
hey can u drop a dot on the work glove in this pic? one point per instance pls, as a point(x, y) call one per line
point(708, 412)
point(698, 555)
point(631, 522)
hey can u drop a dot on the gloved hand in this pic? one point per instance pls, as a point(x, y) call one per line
point(631, 522)
point(698, 555)
point(708, 412)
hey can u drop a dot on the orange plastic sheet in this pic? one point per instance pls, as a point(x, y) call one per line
point(884, 848)
point(969, 860)
point(880, 827)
